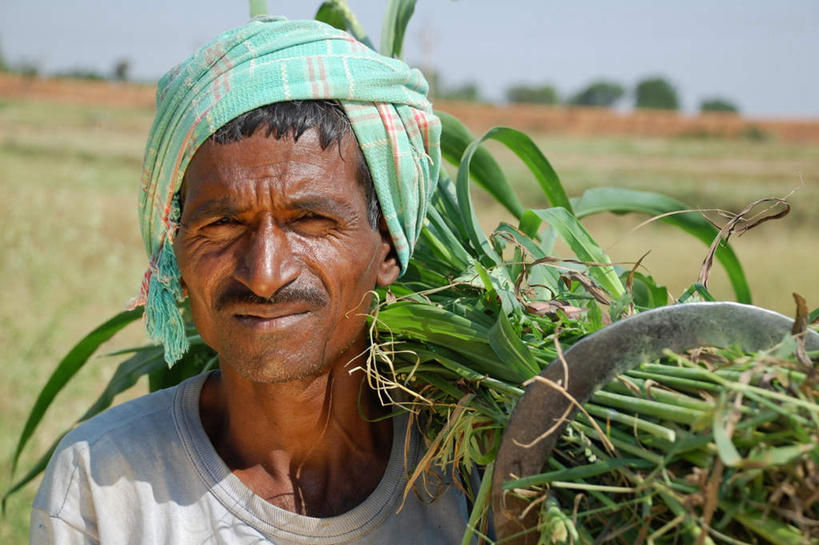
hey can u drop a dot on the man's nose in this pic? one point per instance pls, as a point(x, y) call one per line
point(268, 263)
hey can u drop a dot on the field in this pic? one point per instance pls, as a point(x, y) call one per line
point(71, 254)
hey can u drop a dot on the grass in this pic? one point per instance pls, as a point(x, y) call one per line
point(71, 254)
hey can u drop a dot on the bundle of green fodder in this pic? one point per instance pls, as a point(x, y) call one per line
point(716, 449)
point(721, 448)
point(724, 447)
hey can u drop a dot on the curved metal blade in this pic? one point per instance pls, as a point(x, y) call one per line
point(595, 361)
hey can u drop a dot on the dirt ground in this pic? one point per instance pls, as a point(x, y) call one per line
point(478, 117)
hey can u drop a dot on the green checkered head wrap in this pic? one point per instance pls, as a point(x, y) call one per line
point(271, 60)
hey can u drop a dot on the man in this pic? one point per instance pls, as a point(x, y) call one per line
point(286, 175)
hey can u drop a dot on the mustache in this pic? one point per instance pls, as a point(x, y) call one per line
point(239, 294)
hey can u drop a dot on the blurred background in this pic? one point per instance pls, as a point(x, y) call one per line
point(715, 104)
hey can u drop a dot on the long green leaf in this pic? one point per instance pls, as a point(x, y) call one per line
point(528, 152)
point(728, 453)
point(774, 531)
point(606, 199)
point(502, 337)
point(126, 375)
point(444, 200)
point(584, 247)
point(258, 7)
point(467, 338)
point(331, 13)
point(67, 368)
point(338, 14)
point(441, 356)
point(483, 168)
point(429, 321)
point(577, 472)
point(509, 348)
point(469, 220)
point(31, 474)
point(198, 357)
point(394, 28)
point(777, 456)
point(481, 500)
point(458, 256)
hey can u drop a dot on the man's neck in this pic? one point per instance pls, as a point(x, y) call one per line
point(303, 445)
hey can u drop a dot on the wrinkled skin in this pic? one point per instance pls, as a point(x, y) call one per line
point(273, 219)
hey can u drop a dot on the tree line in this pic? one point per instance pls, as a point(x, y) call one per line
point(653, 92)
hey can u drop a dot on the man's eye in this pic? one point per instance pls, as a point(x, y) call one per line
point(312, 224)
point(222, 221)
point(219, 226)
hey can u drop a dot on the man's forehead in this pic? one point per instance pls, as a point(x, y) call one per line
point(300, 170)
point(263, 145)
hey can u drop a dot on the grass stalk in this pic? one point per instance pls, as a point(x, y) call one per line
point(664, 411)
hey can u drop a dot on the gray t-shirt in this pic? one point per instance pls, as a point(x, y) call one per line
point(145, 472)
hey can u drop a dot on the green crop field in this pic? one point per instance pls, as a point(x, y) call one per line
point(71, 254)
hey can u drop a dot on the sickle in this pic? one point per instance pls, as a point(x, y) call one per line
point(594, 362)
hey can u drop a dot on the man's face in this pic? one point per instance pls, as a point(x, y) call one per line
point(278, 256)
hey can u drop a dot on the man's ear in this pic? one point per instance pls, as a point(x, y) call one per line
point(388, 267)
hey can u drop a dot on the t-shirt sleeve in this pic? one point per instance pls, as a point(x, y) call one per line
point(64, 511)
point(48, 530)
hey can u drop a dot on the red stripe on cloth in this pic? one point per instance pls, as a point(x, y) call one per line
point(356, 45)
point(178, 161)
point(227, 66)
point(367, 116)
point(422, 124)
point(389, 124)
point(385, 113)
point(323, 75)
point(312, 74)
point(142, 296)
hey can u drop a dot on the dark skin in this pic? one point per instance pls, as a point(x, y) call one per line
point(278, 259)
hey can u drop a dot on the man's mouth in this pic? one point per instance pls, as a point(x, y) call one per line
point(268, 317)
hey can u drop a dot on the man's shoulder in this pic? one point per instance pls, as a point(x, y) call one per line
point(126, 420)
point(130, 434)
point(122, 460)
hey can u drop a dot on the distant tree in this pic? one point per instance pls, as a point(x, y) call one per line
point(467, 92)
point(27, 68)
point(539, 94)
point(718, 105)
point(4, 67)
point(80, 73)
point(656, 93)
point(121, 69)
point(598, 93)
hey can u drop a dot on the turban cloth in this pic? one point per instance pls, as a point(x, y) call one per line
point(269, 60)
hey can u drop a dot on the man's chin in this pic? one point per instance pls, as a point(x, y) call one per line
point(275, 366)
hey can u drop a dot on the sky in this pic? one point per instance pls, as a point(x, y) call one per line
point(761, 55)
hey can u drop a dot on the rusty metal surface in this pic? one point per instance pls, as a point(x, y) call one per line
point(599, 358)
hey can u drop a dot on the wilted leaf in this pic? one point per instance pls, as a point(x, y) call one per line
point(551, 307)
point(800, 330)
point(732, 226)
